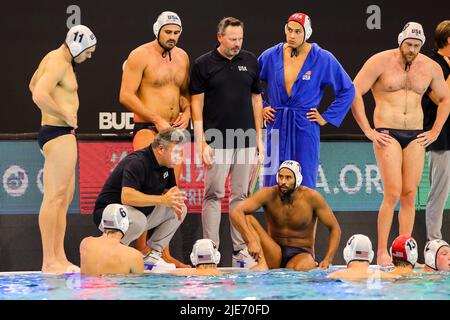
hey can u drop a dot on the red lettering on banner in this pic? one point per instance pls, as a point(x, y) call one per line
point(98, 159)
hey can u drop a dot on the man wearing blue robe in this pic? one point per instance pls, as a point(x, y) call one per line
point(305, 70)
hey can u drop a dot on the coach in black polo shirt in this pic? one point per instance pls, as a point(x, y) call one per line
point(139, 183)
point(439, 150)
point(227, 113)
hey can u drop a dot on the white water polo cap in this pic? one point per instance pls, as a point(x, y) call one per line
point(79, 39)
point(358, 248)
point(115, 217)
point(205, 252)
point(165, 18)
point(294, 166)
point(431, 252)
point(412, 30)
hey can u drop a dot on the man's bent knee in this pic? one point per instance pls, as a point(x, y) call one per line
point(138, 225)
point(214, 194)
point(302, 262)
point(302, 266)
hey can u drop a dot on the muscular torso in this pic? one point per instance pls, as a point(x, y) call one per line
point(293, 66)
point(65, 94)
point(103, 256)
point(161, 83)
point(292, 224)
point(398, 93)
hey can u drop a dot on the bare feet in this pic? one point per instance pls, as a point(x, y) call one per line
point(384, 259)
point(54, 268)
point(178, 264)
point(146, 251)
point(169, 259)
point(261, 265)
point(71, 268)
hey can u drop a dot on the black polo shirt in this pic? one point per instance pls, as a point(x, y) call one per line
point(430, 110)
point(139, 170)
point(228, 86)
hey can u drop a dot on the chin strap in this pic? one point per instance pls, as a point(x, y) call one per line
point(166, 52)
point(407, 66)
point(296, 51)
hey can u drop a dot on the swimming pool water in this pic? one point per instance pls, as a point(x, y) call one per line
point(281, 284)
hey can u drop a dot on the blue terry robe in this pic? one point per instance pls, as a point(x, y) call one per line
point(299, 138)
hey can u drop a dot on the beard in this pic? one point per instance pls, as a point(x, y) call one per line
point(168, 45)
point(409, 57)
point(286, 195)
point(233, 51)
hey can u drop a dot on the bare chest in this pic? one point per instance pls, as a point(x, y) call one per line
point(296, 216)
point(417, 79)
point(160, 73)
point(292, 67)
point(69, 82)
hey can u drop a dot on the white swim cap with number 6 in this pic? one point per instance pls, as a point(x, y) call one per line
point(115, 217)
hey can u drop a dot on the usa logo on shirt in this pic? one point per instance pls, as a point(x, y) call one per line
point(242, 68)
point(307, 76)
point(166, 174)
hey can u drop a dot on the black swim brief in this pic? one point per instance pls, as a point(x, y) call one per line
point(287, 253)
point(47, 133)
point(144, 126)
point(404, 137)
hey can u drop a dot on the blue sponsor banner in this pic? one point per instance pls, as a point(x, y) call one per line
point(21, 191)
point(348, 176)
point(350, 180)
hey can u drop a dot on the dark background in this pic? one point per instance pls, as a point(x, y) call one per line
point(29, 30)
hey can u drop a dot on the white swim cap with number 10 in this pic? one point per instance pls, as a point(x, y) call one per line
point(205, 252)
point(358, 248)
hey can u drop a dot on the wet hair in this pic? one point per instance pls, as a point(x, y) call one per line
point(401, 263)
point(442, 33)
point(229, 21)
point(206, 264)
point(112, 231)
point(169, 136)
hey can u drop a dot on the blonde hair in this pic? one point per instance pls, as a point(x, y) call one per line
point(442, 33)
